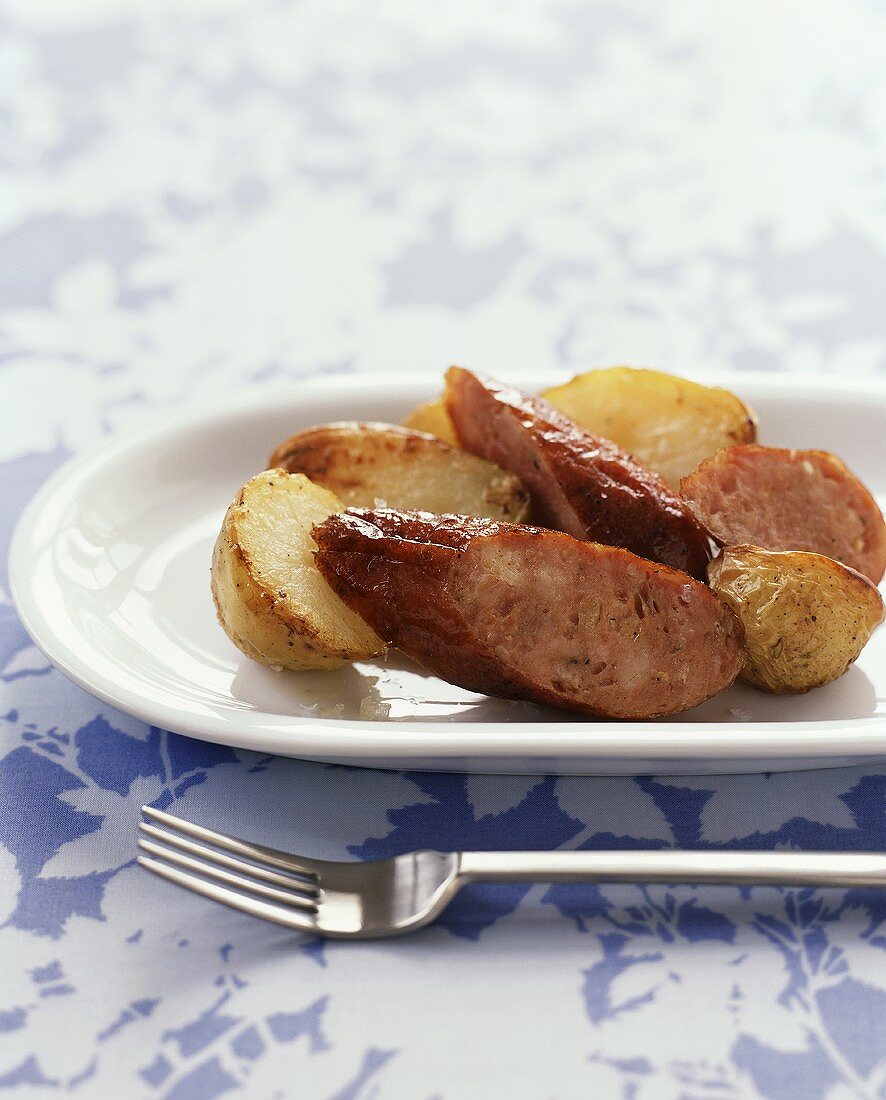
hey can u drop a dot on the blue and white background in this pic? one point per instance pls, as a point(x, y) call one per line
point(202, 195)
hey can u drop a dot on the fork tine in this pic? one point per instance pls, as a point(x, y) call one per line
point(277, 913)
point(301, 885)
point(282, 897)
point(312, 868)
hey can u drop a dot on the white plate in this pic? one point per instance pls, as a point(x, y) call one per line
point(110, 571)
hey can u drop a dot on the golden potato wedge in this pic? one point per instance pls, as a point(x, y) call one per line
point(268, 593)
point(668, 423)
point(365, 463)
point(432, 418)
point(806, 617)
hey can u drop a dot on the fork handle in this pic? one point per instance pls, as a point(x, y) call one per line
point(670, 866)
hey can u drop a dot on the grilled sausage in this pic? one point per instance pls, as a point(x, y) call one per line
point(533, 614)
point(579, 483)
point(789, 500)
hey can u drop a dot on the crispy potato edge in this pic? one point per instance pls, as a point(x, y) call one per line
point(363, 462)
point(263, 624)
point(802, 659)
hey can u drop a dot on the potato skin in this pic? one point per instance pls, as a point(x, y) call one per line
point(432, 418)
point(268, 623)
point(364, 463)
point(251, 620)
point(669, 423)
point(806, 617)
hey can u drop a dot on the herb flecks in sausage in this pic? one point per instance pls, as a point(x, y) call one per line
point(533, 614)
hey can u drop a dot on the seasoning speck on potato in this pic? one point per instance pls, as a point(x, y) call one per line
point(269, 595)
point(806, 617)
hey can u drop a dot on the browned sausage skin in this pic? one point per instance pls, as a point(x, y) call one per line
point(782, 499)
point(533, 614)
point(579, 483)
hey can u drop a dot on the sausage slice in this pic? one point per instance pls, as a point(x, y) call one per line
point(789, 500)
point(579, 483)
point(533, 614)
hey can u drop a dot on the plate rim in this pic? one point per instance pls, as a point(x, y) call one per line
point(387, 741)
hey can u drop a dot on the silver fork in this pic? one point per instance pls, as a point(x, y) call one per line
point(388, 896)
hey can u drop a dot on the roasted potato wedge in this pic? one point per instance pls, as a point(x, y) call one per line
point(668, 423)
point(408, 470)
point(432, 418)
point(269, 595)
point(806, 617)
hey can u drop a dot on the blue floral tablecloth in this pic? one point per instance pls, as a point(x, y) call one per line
point(204, 195)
